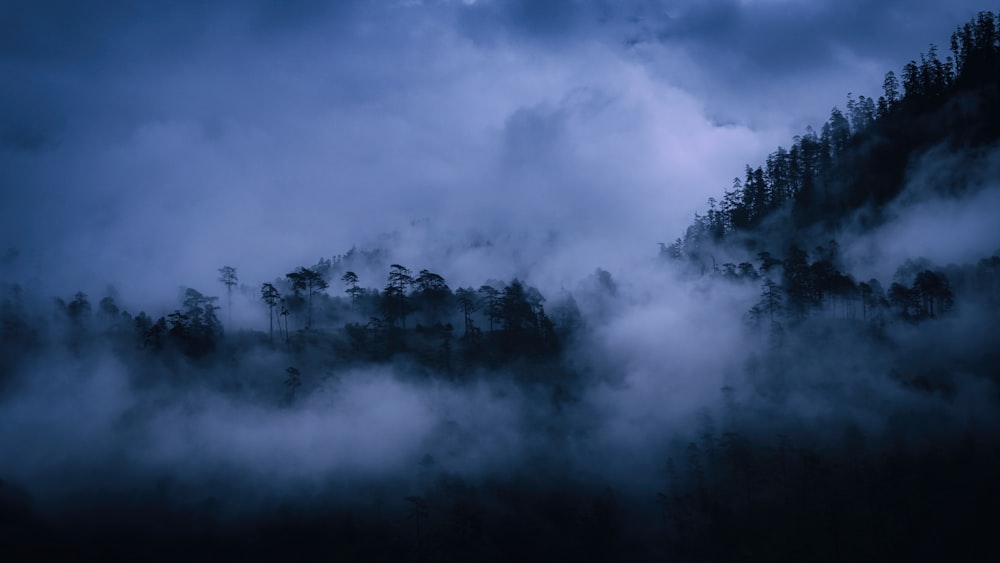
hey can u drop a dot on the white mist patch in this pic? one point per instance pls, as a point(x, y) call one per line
point(676, 344)
point(77, 426)
point(942, 230)
point(62, 422)
point(370, 425)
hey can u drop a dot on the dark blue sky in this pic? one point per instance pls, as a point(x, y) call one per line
point(146, 145)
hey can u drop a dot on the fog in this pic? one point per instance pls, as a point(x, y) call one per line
point(164, 145)
point(945, 215)
point(141, 149)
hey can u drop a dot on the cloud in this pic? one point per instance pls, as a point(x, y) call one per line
point(945, 214)
point(759, 62)
point(148, 146)
point(268, 153)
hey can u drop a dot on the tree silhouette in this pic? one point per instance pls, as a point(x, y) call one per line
point(78, 309)
point(467, 304)
point(903, 300)
point(351, 280)
point(890, 88)
point(933, 293)
point(271, 297)
point(227, 275)
point(283, 314)
point(797, 282)
point(490, 303)
point(196, 329)
point(432, 295)
point(861, 156)
point(517, 312)
point(770, 299)
point(860, 113)
point(395, 304)
point(310, 282)
point(109, 312)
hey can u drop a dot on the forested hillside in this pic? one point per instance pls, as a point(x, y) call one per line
point(784, 216)
point(859, 160)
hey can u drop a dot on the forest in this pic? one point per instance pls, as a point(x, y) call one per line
point(362, 409)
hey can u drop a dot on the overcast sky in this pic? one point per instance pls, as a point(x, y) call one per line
point(148, 145)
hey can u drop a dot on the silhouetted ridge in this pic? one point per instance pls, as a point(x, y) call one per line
point(859, 159)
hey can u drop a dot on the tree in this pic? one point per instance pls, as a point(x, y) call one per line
point(911, 81)
point(108, 308)
point(890, 88)
point(351, 280)
point(179, 330)
point(933, 293)
point(566, 315)
point(271, 296)
point(283, 313)
point(198, 325)
point(797, 282)
point(673, 251)
point(309, 281)
point(433, 295)
point(195, 329)
point(323, 267)
point(975, 46)
point(152, 337)
point(467, 303)
point(227, 275)
point(716, 221)
point(809, 167)
point(517, 312)
point(936, 75)
point(823, 278)
point(770, 299)
point(755, 196)
point(860, 113)
point(872, 297)
point(395, 303)
point(902, 299)
point(490, 303)
point(767, 262)
point(78, 309)
point(747, 271)
point(549, 341)
point(840, 133)
point(779, 177)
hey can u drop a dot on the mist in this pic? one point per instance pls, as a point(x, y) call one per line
point(562, 391)
point(173, 145)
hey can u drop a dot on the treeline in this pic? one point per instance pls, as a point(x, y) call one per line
point(859, 157)
point(798, 285)
point(416, 315)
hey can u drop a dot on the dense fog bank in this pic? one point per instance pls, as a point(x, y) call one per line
point(658, 385)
